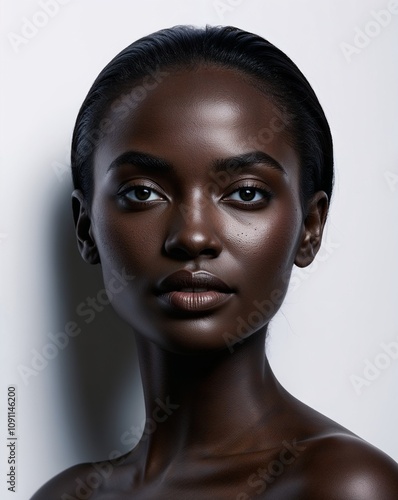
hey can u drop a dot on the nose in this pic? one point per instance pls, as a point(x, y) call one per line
point(192, 234)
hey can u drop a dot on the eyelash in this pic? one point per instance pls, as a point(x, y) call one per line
point(123, 195)
point(266, 195)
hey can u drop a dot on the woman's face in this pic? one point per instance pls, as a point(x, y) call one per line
point(200, 178)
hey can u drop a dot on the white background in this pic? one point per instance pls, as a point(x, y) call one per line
point(337, 314)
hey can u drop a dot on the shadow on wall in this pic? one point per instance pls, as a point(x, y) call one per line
point(99, 377)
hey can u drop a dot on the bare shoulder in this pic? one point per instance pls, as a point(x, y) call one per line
point(64, 484)
point(343, 466)
point(89, 480)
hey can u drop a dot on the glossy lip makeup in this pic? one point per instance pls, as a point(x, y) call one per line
point(193, 292)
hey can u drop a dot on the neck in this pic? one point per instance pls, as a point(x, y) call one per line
point(208, 404)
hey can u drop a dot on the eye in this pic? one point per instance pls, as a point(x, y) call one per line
point(142, 194)
point(246, 194)
point(249, 194)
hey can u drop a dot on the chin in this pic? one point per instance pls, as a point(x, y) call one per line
point(200, 337)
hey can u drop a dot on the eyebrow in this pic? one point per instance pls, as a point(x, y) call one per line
point(157, 164)
point(246, 160)
point(138, 159)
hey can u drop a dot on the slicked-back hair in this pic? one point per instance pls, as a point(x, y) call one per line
point(263, 64)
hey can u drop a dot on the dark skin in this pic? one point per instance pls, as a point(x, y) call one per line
point(230, 430)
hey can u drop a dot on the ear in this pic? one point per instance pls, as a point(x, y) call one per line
point(313, 229)
point(85, 240)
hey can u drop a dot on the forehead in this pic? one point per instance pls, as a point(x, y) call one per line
point(196, 114)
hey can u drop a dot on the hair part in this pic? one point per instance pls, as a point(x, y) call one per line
point(143, 64)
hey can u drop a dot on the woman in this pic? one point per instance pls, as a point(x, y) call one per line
point(203, 170)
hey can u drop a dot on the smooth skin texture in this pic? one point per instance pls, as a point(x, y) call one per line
point(228, 430)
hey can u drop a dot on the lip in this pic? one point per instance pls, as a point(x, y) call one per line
point(195, 292)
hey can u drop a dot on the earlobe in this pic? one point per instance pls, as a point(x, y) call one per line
point(313, 229)
point(84, 234)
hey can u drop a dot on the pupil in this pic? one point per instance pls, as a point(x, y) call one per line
point(142, 193)
point(247, 194)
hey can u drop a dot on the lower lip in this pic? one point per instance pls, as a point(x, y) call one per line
point(195, 301)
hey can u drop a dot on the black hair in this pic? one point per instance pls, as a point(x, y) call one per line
point(183, 47)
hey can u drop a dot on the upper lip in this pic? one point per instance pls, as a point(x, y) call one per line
point(197, 281)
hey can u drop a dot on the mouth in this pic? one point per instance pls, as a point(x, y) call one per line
point(194, 292)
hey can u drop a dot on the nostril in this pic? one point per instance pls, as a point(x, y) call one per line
point(182, 246)
point(179, 253)
point(209, 251)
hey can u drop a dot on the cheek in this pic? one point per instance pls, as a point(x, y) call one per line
point(265, 252)
point(125, 241)
point(266, 245)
